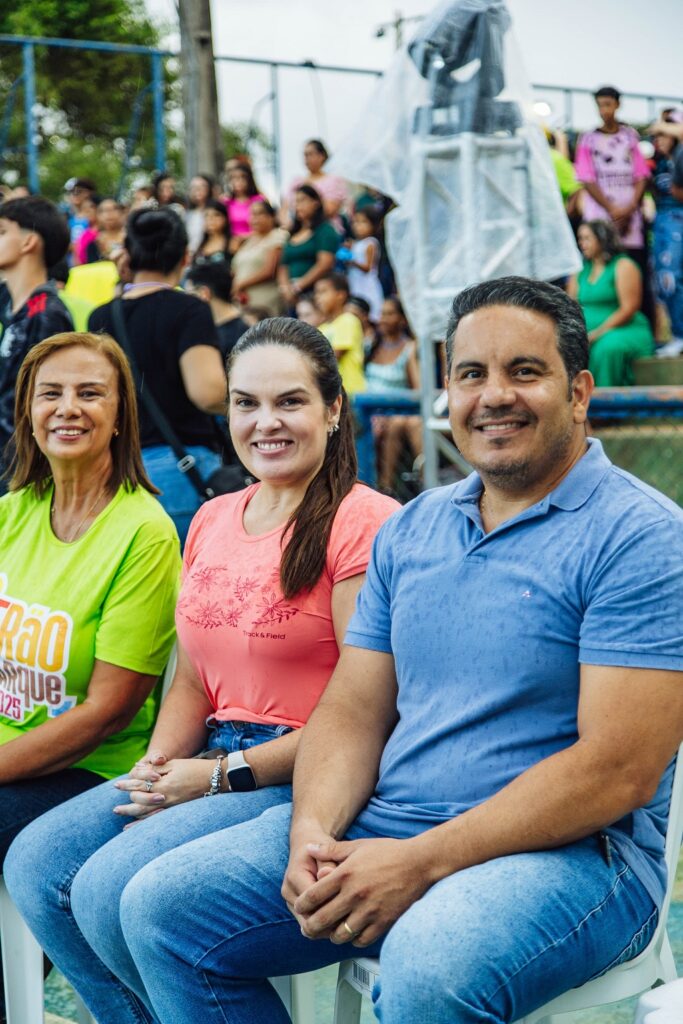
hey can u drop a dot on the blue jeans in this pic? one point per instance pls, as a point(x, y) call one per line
point(178, 495)
point(206, 925)
point(74, 913)
point(24, 801)
point(668, 256)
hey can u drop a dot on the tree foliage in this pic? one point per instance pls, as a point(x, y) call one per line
point(84, 97)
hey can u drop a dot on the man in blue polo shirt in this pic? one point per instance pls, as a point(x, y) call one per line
point(481, 795)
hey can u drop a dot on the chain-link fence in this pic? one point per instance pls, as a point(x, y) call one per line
point(641, 429)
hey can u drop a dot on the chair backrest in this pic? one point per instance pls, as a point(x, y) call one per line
point(674, 832)
point(169, 672)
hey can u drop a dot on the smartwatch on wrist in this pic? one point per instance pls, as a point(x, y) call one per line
point(241, 778)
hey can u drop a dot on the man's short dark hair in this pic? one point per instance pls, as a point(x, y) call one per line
point(526, 293)
point(609, 91)
point(59, 271)
point(214, 276)
point(338, 281)
point(35, 213)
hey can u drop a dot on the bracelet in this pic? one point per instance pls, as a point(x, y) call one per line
point(216, 778)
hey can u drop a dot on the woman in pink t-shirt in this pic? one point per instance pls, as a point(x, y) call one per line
point(270, 580)
point(242, 193)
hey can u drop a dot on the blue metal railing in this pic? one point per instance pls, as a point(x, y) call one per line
point(607, 404)
point(28, 45)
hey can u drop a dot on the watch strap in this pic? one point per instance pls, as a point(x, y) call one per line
point(239, 773)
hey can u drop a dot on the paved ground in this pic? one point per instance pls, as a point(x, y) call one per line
point(59, 1000)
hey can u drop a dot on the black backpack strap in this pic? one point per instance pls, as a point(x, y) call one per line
point(186, 463)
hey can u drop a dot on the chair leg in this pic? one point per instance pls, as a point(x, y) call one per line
point(303, 998)
point(666, 960)
point(83, 1014)
point(22, 965)
point(347, 1003)
point(283, 986)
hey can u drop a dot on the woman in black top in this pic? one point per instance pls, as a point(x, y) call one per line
point(177, 354)
point(215, 245)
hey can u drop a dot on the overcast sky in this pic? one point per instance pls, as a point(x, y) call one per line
point(584, 43)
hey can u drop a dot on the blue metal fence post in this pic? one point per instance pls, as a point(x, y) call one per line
point(29, 104)
point(158, 108)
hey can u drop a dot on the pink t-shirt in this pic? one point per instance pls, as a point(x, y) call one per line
point(614, 163)
point(263, 658)
point(238, 213)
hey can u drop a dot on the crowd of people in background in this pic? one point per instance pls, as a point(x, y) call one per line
point(319, 255)
point(280, 314)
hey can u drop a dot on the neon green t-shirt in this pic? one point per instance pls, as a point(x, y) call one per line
point(110, 596)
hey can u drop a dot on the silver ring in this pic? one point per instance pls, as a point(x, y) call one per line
point(149, 785)
point(352, 934)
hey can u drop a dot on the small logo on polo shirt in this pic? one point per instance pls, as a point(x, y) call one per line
point(527, 593)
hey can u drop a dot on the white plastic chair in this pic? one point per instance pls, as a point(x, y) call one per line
point(22, 967)
point(653, 966)
point(663, 1005)
point(22, 957)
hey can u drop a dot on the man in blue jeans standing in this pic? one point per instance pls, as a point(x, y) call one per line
point(480, 798)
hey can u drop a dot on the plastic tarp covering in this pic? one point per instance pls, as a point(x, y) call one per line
point(450, 135)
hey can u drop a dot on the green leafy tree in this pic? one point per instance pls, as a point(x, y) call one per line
point(245, 138)
point(85, 98)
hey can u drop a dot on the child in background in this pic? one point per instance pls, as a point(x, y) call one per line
point(364, 263)
point(89, 234)
point(342, 329)
point(307, 310)
point(360, 307)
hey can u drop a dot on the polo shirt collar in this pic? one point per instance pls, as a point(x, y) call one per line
point(571, 493)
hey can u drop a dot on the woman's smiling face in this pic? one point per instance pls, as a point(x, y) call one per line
point(279, 423)
point(75, 405)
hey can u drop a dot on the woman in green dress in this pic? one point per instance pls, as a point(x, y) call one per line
point(609, 290)
point(309, 253)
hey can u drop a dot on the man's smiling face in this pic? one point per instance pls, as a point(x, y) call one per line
point(512, 411)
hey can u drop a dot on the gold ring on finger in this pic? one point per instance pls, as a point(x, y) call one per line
point(352, 934)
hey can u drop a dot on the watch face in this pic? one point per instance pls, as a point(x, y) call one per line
point(241, 779)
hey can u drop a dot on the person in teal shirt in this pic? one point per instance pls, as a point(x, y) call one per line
point(89, 571)
point(309, 253)
point(609, 290)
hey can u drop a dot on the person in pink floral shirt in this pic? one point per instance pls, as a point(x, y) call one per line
point(614, 174)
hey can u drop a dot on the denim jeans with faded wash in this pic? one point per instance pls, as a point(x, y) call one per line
point(48, 856)
point(668, 261)
point(181, 919)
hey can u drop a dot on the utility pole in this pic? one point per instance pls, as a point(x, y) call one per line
point(203, 151)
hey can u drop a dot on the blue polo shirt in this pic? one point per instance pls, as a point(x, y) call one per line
point(488, 632)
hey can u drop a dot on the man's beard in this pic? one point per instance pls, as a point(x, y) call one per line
point(523, 471)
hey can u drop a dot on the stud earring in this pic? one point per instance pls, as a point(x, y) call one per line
point(116, 431)
point(332, 429)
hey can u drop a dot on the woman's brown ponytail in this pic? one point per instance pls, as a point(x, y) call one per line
point(307, 532)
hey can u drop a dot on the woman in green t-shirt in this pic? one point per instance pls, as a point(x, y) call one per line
point(309, 253)
point(609, 290)
point(89, 567)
